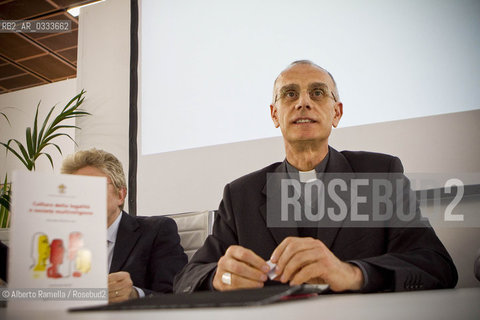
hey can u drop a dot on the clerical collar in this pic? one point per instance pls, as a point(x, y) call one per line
point(307, 176)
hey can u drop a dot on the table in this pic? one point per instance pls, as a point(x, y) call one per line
point(461, 303)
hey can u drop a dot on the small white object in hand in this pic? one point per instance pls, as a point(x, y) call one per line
point(271, 274)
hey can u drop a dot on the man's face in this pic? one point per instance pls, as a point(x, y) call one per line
point(115, 198)
point(304, 106)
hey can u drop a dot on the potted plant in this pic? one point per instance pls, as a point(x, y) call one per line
point(36, 140)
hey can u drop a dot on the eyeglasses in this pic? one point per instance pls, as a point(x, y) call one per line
point(317, 92)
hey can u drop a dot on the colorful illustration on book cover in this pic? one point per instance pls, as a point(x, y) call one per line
point(76, 264)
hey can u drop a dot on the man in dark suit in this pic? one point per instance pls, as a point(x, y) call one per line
point(306, 106)
point(144, 253)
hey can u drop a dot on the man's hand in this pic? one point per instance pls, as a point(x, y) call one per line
point(308, 260)
point(120, 287)
point(246, 268)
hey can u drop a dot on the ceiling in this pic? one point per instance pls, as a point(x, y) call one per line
point(32, 59)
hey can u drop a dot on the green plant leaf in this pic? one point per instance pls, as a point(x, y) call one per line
point(65, 126)
point(77, 97)
point(6, 118)
point(58, 148)
point(24, 152)
point(68, 127)
point(5, 183)
point(67, 113)
point(5, 201)
point(28, 138)
point(50, 144)
point(5, 204)
point(35, 121)
point(46, 141)
point(4, 213)
point(5, 217)
point(37, 140)
point(48, 156)
point(44, 125)
point(50, 137)
point(8, 148)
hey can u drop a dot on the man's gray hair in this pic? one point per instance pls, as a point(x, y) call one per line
point(100, 159)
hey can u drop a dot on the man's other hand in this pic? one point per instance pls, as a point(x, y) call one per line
point(308, 260)
point(120, 287)
point(242, 267)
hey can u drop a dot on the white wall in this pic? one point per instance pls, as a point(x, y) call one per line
point(20, 108)
point(442, 143)
point(103, 71)
point(194, 179)
point(404, 52)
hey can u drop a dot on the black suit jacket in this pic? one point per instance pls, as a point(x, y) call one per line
point(149, 249)
point(393, 258)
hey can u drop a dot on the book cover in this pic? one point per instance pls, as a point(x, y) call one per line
point(58, 254)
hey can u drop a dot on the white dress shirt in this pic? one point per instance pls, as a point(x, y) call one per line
point(111, 238)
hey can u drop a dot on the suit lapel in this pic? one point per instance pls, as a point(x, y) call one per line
point(337, 163)
point(278, 233)
point(127, 237)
